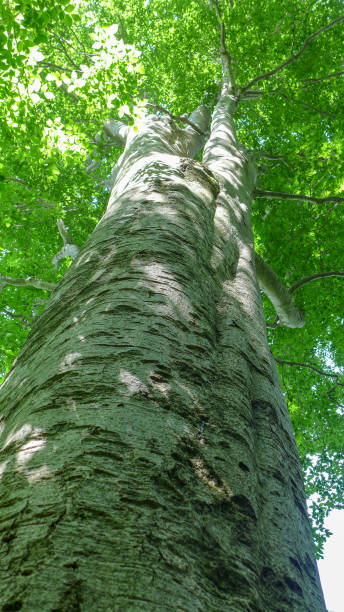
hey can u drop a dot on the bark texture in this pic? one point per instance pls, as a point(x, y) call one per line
point(147, 456)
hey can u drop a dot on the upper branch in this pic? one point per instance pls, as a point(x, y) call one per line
point(258, 193)
point(310, 82)
point(29, 281)
point(304, 281)
point(329, 393)
point(312, 108)
point(14, 179)
point(69, 249)
point(293, 57)
point(309, 367)
point(288, 314)
point(308, 279)
point(117, 131)
point(183, 118)
point(200, 118)
point(256, 155)
point(226, 60)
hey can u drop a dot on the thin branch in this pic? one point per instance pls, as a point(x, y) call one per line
point(60, 68)
point(256, 155)
point(308, 279)
point(312, 108)
point(271, 195)
point(14, 315)
point(226, 60)
point(326, 213)
point(14, 179)
point(29, 281)
point(123, 33)
point(86, 55)
point(311, 82)
point(293, 38)
point(182, 119)
point(250, 94)
point(64, 50)
point(293, 57)
point(310, 367)
point(321, 372)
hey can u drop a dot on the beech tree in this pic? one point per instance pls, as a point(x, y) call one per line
point(163, 164)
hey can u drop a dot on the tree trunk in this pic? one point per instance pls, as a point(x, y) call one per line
point(148, 460)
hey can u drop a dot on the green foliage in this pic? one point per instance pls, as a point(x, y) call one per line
point(67, 67)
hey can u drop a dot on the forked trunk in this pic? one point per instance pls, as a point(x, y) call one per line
point(148, 460)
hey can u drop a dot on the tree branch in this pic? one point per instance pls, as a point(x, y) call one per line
point(200, 117)
point(288, 314)
point(310, 367)
point(29, 281)
point(226, 60)
point(313, 108)
point(69, 249)
point(250, 94)
point(14, 179)
point(293, 57)
point(182, 119)
point(271, 195)
point(256, 155)
point(60, 68)
point(123, 34)
point(117, 132)
point(308, 279)
point(321, 372)
point(311, 82)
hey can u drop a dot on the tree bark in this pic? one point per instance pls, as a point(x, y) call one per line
point(148, 460)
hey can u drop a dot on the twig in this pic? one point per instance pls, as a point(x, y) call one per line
point(310, 367)
point(313, 108)
point(293, 57)
point(60, 68)
point(270, 195)
point(64, 50)
point(311, 82)
point(308, 279)
point(259, 154)
point(326, 213)
point(80, 43)
point(321, 372)
point(293, 37)
point(14, 179)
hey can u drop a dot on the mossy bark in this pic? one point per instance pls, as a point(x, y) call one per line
point(148, 461)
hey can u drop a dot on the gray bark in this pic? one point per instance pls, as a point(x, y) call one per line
point(147, 456)
point(288, 314)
